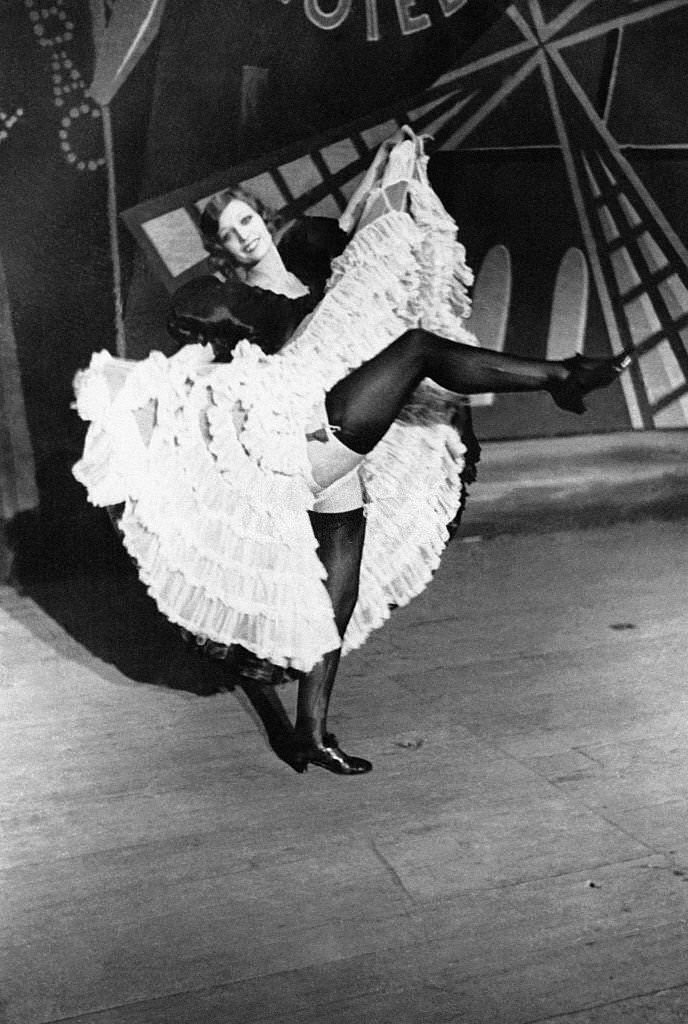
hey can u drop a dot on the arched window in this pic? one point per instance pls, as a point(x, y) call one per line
point(569, 306)
point(491, 299)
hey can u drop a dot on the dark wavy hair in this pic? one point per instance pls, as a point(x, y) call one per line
point(218, 257)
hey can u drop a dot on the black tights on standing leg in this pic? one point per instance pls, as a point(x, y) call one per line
point(340, 547)
point(340, 537)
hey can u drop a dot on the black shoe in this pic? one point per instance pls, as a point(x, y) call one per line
point(585, 375)
point(328, 755)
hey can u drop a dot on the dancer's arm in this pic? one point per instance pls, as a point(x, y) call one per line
point(222, 313)
point(308, 247)
point(359, 208)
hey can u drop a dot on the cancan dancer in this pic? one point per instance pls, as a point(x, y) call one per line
point(314, 376)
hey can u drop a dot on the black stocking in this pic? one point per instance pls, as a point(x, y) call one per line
point(364, 404)
point(340, 538)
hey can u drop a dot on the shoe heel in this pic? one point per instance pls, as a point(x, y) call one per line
point(586, 375)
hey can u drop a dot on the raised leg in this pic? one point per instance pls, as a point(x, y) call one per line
point(363, 405)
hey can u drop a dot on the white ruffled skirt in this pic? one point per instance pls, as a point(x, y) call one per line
point(211, 460)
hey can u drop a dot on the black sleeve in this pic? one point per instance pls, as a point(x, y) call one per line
point(221, 313)
point(308, 248)
point(200, 312)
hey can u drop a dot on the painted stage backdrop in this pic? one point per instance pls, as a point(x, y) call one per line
point(558, 141)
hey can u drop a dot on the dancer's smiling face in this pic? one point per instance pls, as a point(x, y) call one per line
point(243, 233)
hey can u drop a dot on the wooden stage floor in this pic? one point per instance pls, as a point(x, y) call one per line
point(518, 855)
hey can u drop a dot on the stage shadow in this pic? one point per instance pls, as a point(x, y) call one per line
point(78, 574)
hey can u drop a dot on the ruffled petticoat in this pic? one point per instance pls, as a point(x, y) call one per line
point(210, 460)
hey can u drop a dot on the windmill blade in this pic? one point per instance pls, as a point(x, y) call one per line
point(639, 262)
point(130, 31)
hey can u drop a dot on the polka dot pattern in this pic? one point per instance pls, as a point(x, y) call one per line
point(53, 29)
point(8, 121)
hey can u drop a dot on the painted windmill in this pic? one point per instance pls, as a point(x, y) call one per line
point(639, 265)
